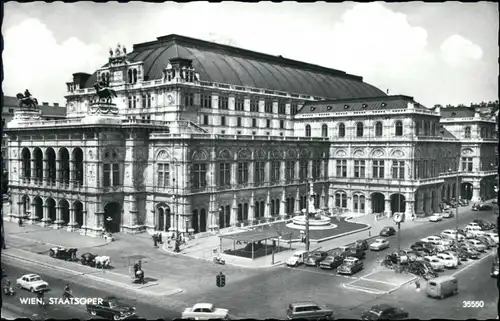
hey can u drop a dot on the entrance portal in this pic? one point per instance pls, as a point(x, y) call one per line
point(112, 217)
point(398, 203)
point(78, 208)
point(378, 203)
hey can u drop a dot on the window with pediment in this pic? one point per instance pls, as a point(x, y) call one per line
point(324, 130)
point(359, 130)
point(308, 130)
point(111, 169)
point(341, 130)
point(398, 126)
point(378, 129)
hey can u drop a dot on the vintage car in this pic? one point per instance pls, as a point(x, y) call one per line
point(452, 234)
point(448, 214)
point(476, 244)
point(483, 224)
point(59, 252)
point(388, 231)
point(350, 266)
point(385, 312)
point(308, 311)
point(379, 245)
point(361, 245)
point(205, 311)
point(493, 236)
point(296, 259)
point(436, 263)
point(436, 217)
point(112, 308)
point(431, 239)
point(32, 282)
point(332, 262)
point(314, 258)
point(449, 261)
point(355, 252)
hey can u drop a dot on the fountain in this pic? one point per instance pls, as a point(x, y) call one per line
point(317, 219)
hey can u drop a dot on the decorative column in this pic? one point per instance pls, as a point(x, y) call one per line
point(20, 209)
point(33, 171)
point(234, 170)
point(251, 210)
point(267, 165)
point(322, 204)
point(45, 169)
point(368, 206)
point(387, 209)
point(267, 211)
point(58, 223)
point(251, 170)
point(420, 204)
point(72, 224)
point(45, 219)
point(234, 212)
point(296, 169)
point(282, 172)
point(409, 209)
point(282, 212)
point(58, 171)
point(476, 189)
point(72, 173)
point(297, 202)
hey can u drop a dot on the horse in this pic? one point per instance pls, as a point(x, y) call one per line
point(104, 93)
point(30, 102)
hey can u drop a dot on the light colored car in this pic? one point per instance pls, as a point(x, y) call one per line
point(480, 247)
point(296, 259)
point(379, 245)
point(435, 217)
point(448, 214)
point(454, 255)
point(473, 224)
point(32, 282)
point(431, 239)
point(205, 311)
point(493, 236)
point(451, 234)
point(434, 262)
point(445, 242)
point(449, 261)
point(472, 231)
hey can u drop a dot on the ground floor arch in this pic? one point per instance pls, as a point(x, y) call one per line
point(112, 217)
point(466, 190)
point(398, 203)
point(78, 212)
point(163, 220)
point(51, 209)
point(38, 206)
point(199, 220)
point(25, 205)
point(378, 205)
point(64, 208)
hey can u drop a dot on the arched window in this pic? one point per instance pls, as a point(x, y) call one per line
point(359, 129)
point(308, 131)
point(378, 129)
point(135, 75)
point(130, 76)
point(341, 130)
point(324, 130)
point(399, 128)
point(355, 203)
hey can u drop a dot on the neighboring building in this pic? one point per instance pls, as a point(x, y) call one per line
point(11, 104)
point(207, 136)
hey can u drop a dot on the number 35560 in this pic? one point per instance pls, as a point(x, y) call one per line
point(472, 304)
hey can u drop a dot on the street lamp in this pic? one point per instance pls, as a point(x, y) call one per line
point(457, 193)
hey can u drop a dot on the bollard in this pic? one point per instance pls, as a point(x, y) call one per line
point(369, 233)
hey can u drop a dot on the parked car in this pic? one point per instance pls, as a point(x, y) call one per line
point(296, 259)
point(332, 262)
point(350, 266)
point(431, 239)
point(308, 311)
point(483, 225)
point(362, 245)
point(486, 240)
point(455, 256)
point(205, 311)
point(111, 308)
point(32, 282)
point(385, 312)
point(493, 236)
point(357, 253)
point(435, 217)
point(472, 252)
point(436, 264)
point(463, 202)
point(449, 261)
point(481, 207)
point(477, 245)
point(420, 244)
point(388, 231)
point(314, 258)
point(379, 245)
point(472, 231)
point(448, 214)
point(452, 234)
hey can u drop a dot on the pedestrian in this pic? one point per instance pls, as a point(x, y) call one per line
point(417, 285)
point(155, 241)
point(20, 221)
point(160, 238)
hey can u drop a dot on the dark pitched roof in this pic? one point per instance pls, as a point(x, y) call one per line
point(240, 67)
point(356, 104)
point(445, 133)
point(457, 112)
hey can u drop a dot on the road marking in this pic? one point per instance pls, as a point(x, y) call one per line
point(323, 273)
point(469, 265)
point(362, 289)
point(378, 281)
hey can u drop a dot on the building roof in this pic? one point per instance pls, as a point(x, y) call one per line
point(445, 133)
point(356, 104)
point(240, 67)
point(457, 112)
point(47, 110)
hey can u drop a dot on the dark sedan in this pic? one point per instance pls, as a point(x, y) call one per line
point(332, 262)
point(388, 231)
point(385, 312)
point(111, 308)
point(315, 258)
point(361, 245)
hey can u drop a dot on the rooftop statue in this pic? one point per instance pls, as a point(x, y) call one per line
point(27, 100)
point(104, 93)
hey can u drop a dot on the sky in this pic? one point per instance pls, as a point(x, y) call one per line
point(438, 53)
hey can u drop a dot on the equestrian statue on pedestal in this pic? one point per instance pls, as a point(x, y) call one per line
point(104, 92)
point(27, 100)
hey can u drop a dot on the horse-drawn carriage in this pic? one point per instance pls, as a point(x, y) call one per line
point(101, 262)
point(136, 272)
point(59, 252)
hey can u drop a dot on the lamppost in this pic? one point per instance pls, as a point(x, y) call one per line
point(176, 196)
point(457, 195)
point(307, 215)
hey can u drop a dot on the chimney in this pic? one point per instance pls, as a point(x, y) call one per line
point(80, 78)
point(45, 104)
point(56, 104)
